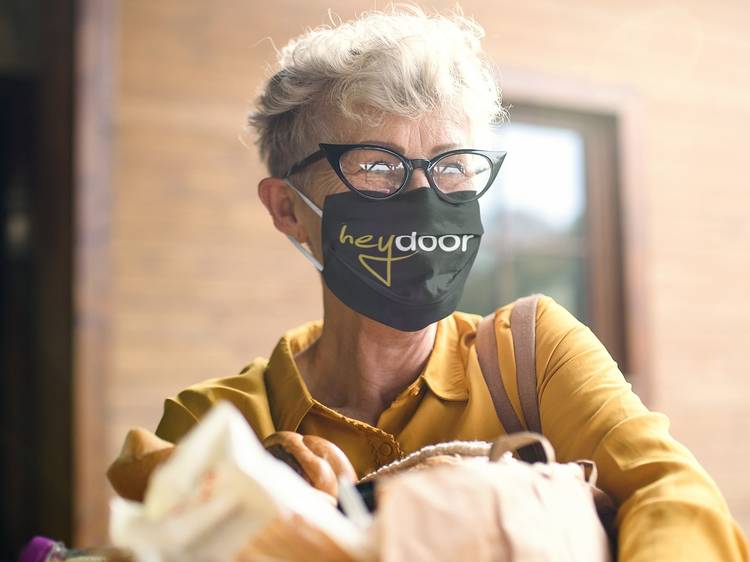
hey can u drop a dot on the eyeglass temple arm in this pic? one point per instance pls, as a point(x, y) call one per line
point(314, 157)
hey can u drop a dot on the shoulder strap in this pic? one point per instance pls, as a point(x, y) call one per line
point(523, 331)
point(489, 363)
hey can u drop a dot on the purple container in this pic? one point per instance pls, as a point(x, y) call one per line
point(37, 550)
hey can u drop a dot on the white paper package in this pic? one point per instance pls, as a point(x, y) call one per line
point(217, 491)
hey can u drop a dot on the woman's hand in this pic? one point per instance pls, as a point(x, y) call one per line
point(317, 460)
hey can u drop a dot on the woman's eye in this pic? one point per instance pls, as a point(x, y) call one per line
point(378, 166)
point(452, 168)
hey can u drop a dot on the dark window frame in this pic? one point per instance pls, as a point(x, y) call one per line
point(605, 301)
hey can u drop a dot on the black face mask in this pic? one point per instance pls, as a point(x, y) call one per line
point(401, 261)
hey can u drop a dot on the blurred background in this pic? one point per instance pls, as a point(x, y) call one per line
point(137, 258)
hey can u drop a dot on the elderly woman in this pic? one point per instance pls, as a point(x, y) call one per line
point(374, 137)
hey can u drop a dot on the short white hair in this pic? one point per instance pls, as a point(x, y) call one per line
point(397, 61)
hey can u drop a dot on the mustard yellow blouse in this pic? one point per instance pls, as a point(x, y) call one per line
point(670, 508)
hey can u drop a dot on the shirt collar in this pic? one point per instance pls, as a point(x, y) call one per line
point(288, 397)
point(290, 400)
point(445, 371)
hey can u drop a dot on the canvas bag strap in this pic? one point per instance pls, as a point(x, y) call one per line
point(523, 331)
point(489, 364)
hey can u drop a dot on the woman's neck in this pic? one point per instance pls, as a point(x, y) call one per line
point(358, 366)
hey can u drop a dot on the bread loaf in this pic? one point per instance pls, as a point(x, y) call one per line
point(316, 459)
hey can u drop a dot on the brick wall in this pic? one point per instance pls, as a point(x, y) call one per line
point(203, 283)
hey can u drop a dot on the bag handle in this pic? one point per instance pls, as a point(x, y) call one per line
point(523, 332)
point(515, 442)
point(590, 473)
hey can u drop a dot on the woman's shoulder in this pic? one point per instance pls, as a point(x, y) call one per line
point(249, 380)
point(549, 315)
point(557, 334)
point(245, 390)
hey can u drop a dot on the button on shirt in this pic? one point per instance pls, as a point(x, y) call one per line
point(669, 507)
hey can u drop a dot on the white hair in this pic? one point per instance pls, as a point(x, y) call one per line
point(398, 61)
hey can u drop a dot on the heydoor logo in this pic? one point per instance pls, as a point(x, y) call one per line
point(413, 243)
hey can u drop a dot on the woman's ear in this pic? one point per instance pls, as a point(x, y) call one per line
point(279, 199)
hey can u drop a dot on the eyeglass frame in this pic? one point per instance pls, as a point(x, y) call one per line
point(333, 153)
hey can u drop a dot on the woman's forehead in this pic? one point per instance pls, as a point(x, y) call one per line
point(426, 136)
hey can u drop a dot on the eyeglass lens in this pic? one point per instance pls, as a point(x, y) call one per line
point(382, 173)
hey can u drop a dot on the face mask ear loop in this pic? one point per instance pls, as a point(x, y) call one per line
point(304, 197)
point(305, 252)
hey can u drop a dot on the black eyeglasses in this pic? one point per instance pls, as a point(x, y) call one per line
point(377, 172)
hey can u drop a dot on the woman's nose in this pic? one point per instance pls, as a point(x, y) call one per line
point(418, 179)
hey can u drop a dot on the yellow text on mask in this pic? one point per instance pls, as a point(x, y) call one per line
point(383, 244)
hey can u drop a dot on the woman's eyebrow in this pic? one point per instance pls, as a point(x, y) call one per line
point(392, 146)
point(444, 147)
point(435, 149)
